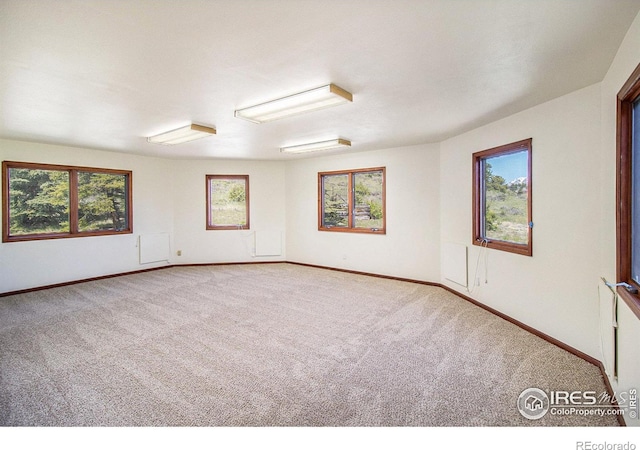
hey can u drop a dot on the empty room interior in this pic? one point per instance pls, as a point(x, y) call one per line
point(319, 213)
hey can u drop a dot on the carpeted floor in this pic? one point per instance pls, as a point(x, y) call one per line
point(270, 345)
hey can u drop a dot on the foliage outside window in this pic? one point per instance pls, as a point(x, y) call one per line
point(628, 191)
point(227, 202)
point(502, 198)
point(352, 201)
point(45, 201)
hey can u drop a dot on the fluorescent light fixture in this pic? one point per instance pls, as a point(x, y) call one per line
point(311, 100)
point(317, 146)
point(184, 134)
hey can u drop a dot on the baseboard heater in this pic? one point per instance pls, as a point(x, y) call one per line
point(454, 263)
point(154, 247)
point(268, 243)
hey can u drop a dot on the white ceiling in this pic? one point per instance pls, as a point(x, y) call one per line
point(106, 74)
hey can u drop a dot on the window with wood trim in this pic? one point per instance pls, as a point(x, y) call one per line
point(352, 201)
point(227, 202)
point(46, 201)
point(502, 198)
point(628, 191)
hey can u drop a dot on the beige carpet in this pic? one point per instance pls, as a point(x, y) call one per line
point(270, 345)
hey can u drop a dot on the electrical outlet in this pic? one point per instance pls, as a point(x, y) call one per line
point(179, 253)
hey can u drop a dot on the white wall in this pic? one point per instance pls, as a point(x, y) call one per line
point(555, 290)
point(428, 203)
point(626, 60)
point(168, 197)
point(267, 211)
point(36, 263)
point(410, 247)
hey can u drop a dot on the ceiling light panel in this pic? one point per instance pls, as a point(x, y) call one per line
point(311, 100)
point(317, 146)
point(181, 135)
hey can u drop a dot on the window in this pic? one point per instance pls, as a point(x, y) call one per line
point(502, 198)
point(44, 201)
point(227, 202)
point(352, 201)
point(628, 191)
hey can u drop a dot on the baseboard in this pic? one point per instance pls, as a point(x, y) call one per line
point(368, 274)
point(610, 391)
point(510, 319)
point(524, 326)
point(133, 272)
point(574, 351)
point(245, 263)
point(83, 280)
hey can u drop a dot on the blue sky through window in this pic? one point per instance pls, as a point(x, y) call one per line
point(510, 166)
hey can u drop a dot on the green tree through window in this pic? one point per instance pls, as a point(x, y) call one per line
point(50, 201)
point(502, 197)
point(227, 202)
point(101, 201)
point(38, 201)
point(352, 200)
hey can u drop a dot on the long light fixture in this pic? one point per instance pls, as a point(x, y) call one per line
point(311, 100)
point(317, 146)
point(184, 134)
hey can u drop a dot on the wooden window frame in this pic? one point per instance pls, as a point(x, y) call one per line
point(629, 93)
point(350, 228)
point(478, 237)
point(208, 179)
point(74, 231)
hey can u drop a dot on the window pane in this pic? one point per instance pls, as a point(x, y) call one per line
point(228, 202)
point(335, 201)
point(368, 200)
point(102, 201)
point(505, 197)
point(635, 193)
point(38, 201)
